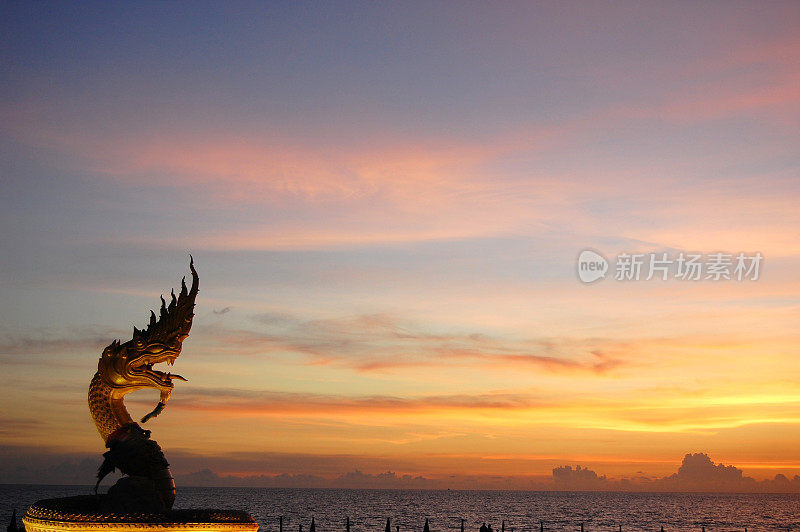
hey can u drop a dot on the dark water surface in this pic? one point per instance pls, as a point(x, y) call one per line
point(522, 510)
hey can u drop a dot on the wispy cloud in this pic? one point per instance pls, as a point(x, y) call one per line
point(240, 402)
point(381, 342)
point(21, 349)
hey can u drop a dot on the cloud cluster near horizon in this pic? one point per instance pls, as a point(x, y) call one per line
point(697, 473)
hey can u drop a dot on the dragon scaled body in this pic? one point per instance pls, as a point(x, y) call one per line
point(126, 367)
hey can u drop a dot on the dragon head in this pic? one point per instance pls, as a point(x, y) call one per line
point(128, 367)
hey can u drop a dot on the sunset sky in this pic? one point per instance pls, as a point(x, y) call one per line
point(385, 203)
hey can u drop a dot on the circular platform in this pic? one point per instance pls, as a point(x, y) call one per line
point(79, 513)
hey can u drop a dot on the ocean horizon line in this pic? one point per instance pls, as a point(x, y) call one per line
point(90, 486)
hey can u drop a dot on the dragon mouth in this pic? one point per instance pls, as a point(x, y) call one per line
point(161, 376)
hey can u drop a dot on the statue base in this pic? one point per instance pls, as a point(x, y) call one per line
point(81, 513)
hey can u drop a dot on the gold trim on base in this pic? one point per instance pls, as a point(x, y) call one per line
point(41, 525)
point(70, 515)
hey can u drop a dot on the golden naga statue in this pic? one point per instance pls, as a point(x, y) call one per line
point(142, 500)
point(124, 368)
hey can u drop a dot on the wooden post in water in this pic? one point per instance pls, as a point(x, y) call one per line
point(300, 527)
point(620, 528)
point(541, 526)
point(662, 529)
point(280, 524)
point(503, 526)
point(462, 525)
point(581, 527)
point(347, 525)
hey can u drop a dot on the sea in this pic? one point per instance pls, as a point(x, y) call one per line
point(512, 511)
